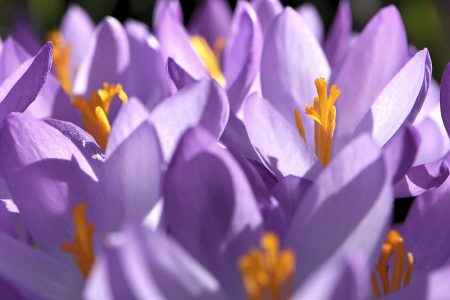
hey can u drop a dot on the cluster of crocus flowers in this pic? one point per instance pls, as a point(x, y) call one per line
point(246, 155)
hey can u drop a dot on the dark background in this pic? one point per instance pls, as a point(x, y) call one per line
point(427, 21)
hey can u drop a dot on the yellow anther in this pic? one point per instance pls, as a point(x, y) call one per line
point(61, 59)
point(82, 246)
point(323, 112)
point(299, 123)
point(94, 113)
point(209, 58)
point(393, 249)
point(267, 273)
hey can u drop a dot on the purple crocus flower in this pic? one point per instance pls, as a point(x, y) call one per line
point(374, 75)
point(211, 211)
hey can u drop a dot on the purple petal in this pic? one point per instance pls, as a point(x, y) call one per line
point(400, 100)
point(211, 20)
point(203, 103)
point(292, 59)
point(312, 17)
point(44, 179)
point(145, 77)
point(132, 173)
point(128, 119)
point(162, 5)
point(178, 77)
point(277, 142)
point(23, 32)
point(445, 98)
point(289, 193)
point(377, 55)
point(107, 57)
point(205, 188)
point(77, 28)
point(422, 178)
point(175, 43)
point(267, 10)
point(341, 278)
point(242, 54)
point(339, 38)
point(351, 197)
point(20, 89)
point(133, 267)
point(37, 272)
point(400, 152)
point(12, 56)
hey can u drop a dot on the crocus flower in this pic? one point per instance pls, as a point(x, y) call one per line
point(365, 87)
point(211, 211)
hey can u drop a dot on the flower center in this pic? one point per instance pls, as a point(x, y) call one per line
point(94, 112)
point(399, 270)
point(82, 247)
point(61, 59)
point(210, 57)
point(267, 273)
point(323, 112)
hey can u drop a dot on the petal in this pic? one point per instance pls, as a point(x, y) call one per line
point(77, 28)
point(339, 38)
point(312, 17)
point(422, 178)
point(267, 10)
point(44, 179)
point(400, 100)
point(21, 88)
point(128, 119)
point(134, 268)
point(278, 144)
point(211, 20)
point(445, 98)
point(289, 193)
point(351, 197)
point(107, 57)
point(292, 59)
point(12, 55)
point(242, 54)
point(175, 43)
point(173, 5)
point(377, 55)
point(203, 103)
point(145, 77)
point(206, 188)
point(37, 272)
point(345, 277)
point(427, 224)
point(132, 173)
point(401, 151)
point(178, 77)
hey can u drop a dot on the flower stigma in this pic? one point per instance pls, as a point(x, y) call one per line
point(61, 59)
point(267, 272)
point(210, 57)
point(323, 112)
point(94, 112)
point(82, 247)
point(399, 270)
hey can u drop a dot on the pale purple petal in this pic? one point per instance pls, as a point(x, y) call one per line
point(341, 207)
point(107, 57)
point(172, 5)
point(276, 141)
point(377, 55)
point(145, 77)
point(211, 20)
point(339, 38)
point(204, 103)
point(178, 77)
point(267, 10)
point(77, 28)
point(292, 59)
point(20, 89)
point(242, 54)
point(312, 17)
point(132, 173)
point(445, 98)
point(209, 207)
